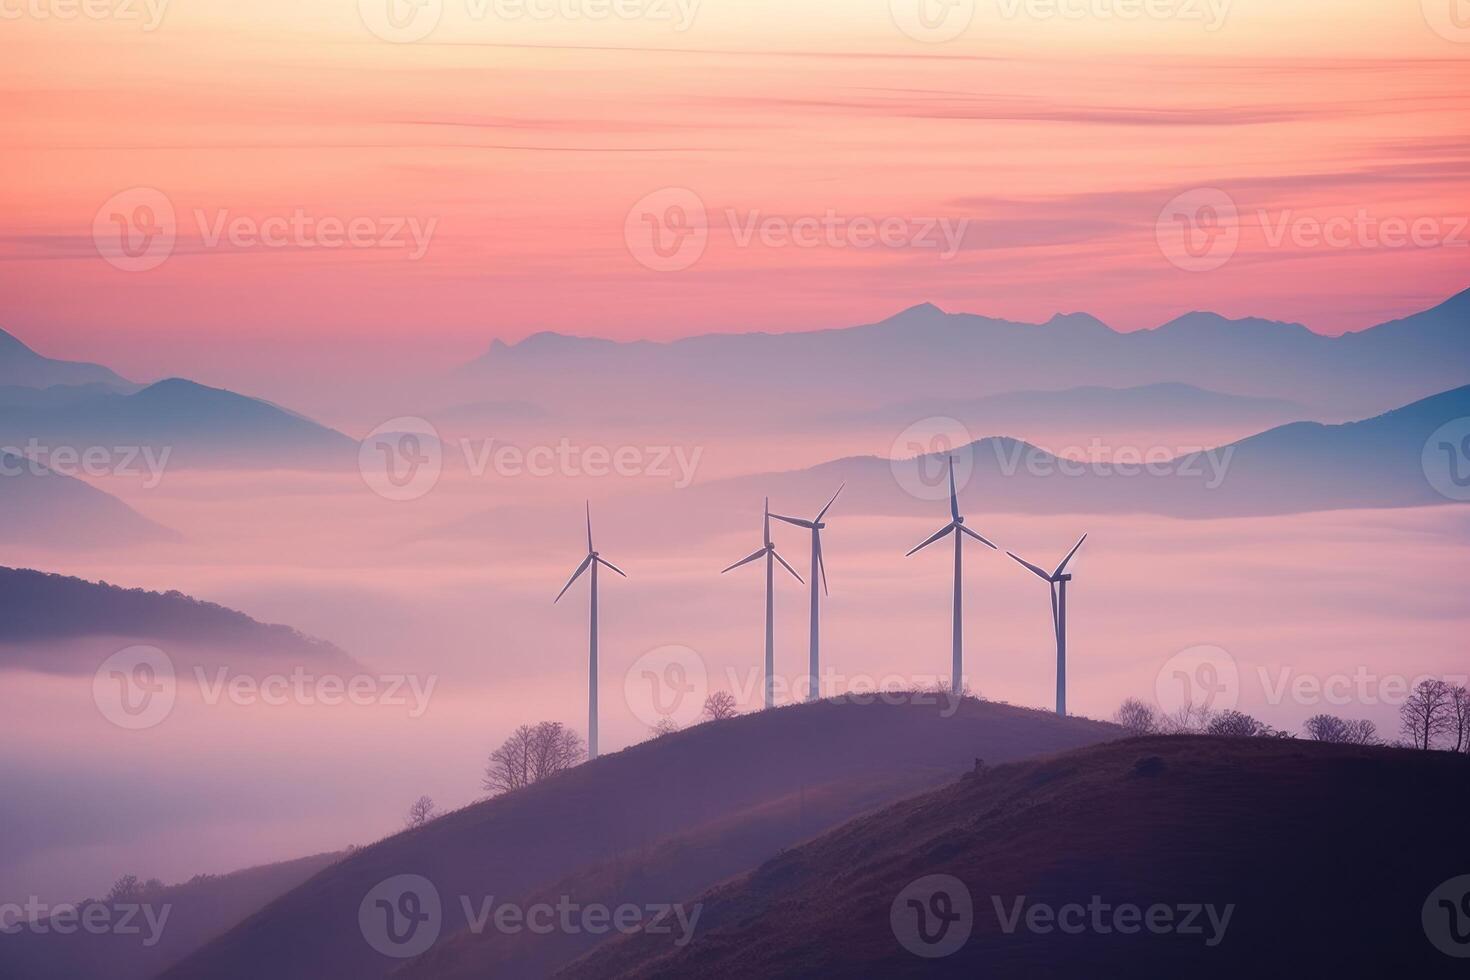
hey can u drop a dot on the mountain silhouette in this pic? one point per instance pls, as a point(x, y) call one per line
point(41, 506)
point(19, 365)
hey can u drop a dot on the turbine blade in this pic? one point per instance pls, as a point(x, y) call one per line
point(793, 520)
point(934, 537)
point(777, 555)
point(589, 527)
point(823, 512)
point(575, 575)
point(1069, 555)
point(1056, 620)
point(766, 527)
point(603, 561)
point(821, 562)
point(1044, 577)
point(954, 498)
point(977, 537)
point(744, 561)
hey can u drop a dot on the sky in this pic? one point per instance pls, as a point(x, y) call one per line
point(326, 184)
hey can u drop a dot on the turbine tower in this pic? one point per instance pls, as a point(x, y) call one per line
point(956, 526)
point(815, 525)
point(1058, 580)
point(592, 560)
point(769, 550)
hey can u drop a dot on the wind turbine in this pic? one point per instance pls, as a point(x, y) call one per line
point(818, 566)
point(956, 526)
point(1058, 580)
point(769, 550)
point(592, 560)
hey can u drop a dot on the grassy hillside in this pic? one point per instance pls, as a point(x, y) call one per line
point(1326, 853)
point(732, 792)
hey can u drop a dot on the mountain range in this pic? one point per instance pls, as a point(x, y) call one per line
point(925, 352)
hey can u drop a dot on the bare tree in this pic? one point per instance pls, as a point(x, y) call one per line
point(1326, 728)
point(665, 726)
point(1187, 719)
point(1460, 717)
point(420, 813)
point(1238, 724)
point(126, 889)
point(530, 754)
point(720, 705)
point(1137, 716)
point(1330, 728)
point(1427, 716)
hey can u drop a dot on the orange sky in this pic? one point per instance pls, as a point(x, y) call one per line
point(517, 138)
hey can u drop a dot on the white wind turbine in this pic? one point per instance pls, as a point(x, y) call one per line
point(769, 551)
point(1058, 581)
point(815, 525)
point(592, 560)
point(956, 526)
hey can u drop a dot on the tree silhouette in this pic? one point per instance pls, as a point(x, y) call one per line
point(719, 705)
point(1428, 714)
point(420, 812)
point(531, 753)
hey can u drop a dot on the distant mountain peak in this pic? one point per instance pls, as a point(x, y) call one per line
point(924, 310)
point(1208, 320)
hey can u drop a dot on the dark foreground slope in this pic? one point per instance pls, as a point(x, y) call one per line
point(1326, 853)
point(737, 788)
point(188, 915)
